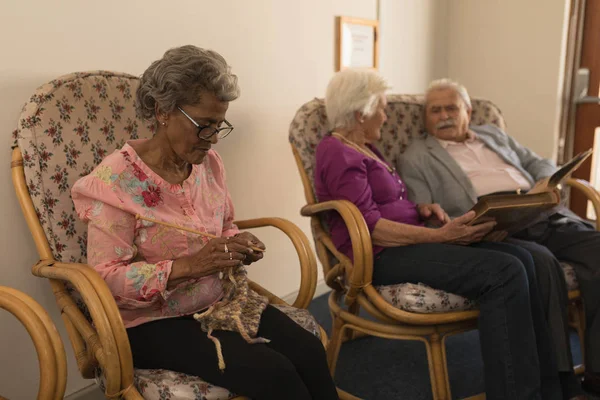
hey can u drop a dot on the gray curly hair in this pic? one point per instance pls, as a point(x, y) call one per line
point(180, 77)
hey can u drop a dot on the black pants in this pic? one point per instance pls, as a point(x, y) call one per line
point(292, 366)
point(515, 343)
point(554, 296)
point(577, 243)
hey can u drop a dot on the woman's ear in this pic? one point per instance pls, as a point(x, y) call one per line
point(161, 117)
point(359, 117)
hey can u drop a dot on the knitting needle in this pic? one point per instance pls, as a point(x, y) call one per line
point(182, 228)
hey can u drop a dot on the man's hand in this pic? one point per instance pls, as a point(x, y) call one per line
point(252, 241)
point(433, 213)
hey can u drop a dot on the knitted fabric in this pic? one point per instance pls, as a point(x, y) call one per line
point(239, 310)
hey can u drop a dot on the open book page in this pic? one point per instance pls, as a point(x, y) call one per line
point(567, 169)
point(515, 212)
point(561, 174)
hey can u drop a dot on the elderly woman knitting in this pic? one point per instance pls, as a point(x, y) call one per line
point(161, 277)
point(515, 342)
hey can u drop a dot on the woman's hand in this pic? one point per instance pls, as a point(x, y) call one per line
point(458, 232)
point(252, 241)
point(433, 213)
point(216, 255)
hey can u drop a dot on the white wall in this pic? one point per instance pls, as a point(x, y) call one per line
point(510, 51)
point(282, 51)
point(413, 43)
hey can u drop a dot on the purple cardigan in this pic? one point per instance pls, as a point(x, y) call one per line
point(342, 173)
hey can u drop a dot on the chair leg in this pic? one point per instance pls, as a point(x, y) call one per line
point(350, 334)
point(580, 311)
point(438, 369)
point(335, 343)
point(576, 318)
point(577, 322)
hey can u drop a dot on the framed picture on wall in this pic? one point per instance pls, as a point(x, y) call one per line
point(357, 43)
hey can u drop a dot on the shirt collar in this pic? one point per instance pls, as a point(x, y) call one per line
point(471, 137)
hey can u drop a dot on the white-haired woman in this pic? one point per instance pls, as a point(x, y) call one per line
point(514, 338)
point(160, 277)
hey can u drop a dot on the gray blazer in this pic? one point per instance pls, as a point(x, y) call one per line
point(432, 175)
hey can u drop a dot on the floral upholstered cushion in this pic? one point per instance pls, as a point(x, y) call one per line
point(404, 122)
point(160, 384)
point(423, 299)
point(302, 317)
point(65, 129)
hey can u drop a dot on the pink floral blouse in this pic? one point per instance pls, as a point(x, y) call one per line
point(135, 257)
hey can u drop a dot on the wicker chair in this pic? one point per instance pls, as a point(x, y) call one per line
point(404, 311)
point(46, 339)
point(68, 126)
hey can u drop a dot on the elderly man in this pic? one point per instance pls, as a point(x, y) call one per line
point(454, 163)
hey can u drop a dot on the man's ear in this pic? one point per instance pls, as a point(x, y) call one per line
point(469, 111)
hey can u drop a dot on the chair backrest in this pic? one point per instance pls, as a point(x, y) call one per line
point(405, 122)
point(66, 128)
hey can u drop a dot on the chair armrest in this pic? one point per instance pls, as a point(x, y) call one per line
point(588, 191)
point(308, 262)
point(114, 353)
point(46, 339)
point(360, 238)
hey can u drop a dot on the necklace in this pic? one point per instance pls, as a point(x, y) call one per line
point(370, 154)
point(364, 151)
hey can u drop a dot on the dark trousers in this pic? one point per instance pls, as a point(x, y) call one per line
point(292, 366)
point(554, 297)
point(572, 241)
point(515, 343)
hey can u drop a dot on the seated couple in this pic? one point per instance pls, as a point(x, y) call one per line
point(517, 281)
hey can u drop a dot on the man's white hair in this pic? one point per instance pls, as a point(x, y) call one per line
point(351, 90)
point(445, 83)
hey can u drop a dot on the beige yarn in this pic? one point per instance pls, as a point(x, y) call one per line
point(239, 310)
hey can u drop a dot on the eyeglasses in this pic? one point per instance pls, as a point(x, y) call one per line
point(205, 132)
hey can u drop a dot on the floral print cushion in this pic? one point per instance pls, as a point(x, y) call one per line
point(422, 299)
point(65, 129)
point(302, 317)
point(162, 384)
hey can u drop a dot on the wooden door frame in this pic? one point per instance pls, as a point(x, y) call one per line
point(572, 60)
point(581, 53)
